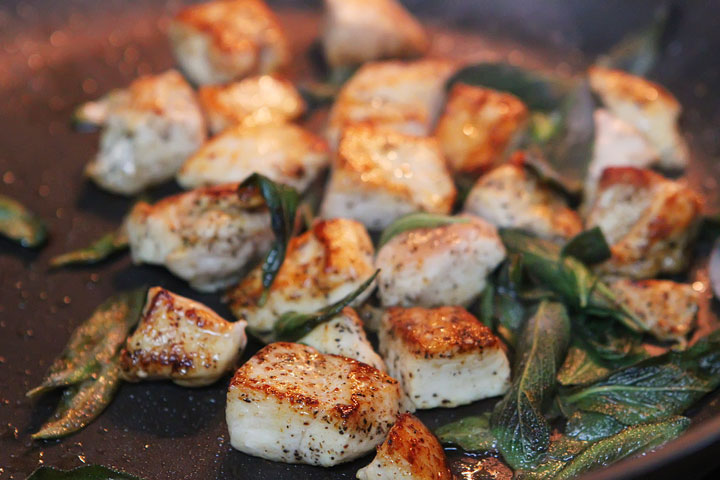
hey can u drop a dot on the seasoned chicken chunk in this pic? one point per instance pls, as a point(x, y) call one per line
point(443, 357)
point(478, 127)
point(253, 101)
point(648, 107)
point(291, 403)
point(667, 308)
point(409, 452)
point(284, 153)
point(224, 40)
point(647, 219)
point(405, 97)
point(432, 267)
point(344, 336)
point(321, 266)
point(512, 196)
point(205, 236)
point(181, 340)
point(148, 130)
point(379, 176)
point(357, 31)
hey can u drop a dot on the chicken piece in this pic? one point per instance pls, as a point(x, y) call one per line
point(253, 101)
point(648, 107)
point(205, 236)
point(667, 308)
point(446, 265)
point(344, 336)
point(284, 153)
point(181, 340)
point(321, 266)
point(443, 357)
point(386, 28)
point(291, 403)
point(148, 130)
point(379, 176)
point(478, 127)
point(512, 196)
point(406, 97)
point(224, 40)
point(647, 220)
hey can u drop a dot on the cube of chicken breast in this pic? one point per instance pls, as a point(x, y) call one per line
point(291, 403)
point(386, 28)
point(224, 40)
point(253, 101)
point(512, 196)
point(410, 451)
point(443, 357)
point(284, 153)
point(648, 107)
point(321, 266)
point(148, 130)
point(344, 336)
point(432, 267)
point(478, 127)
point(647, 219)
point(379, 176)
point(205, 236)
point(667, 308)
point(181, 340)
point(406, 97)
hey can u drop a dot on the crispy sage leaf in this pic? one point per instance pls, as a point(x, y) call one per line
point(21, 225)
point(591, 426)
point(561, 450)
point(86, 472)
point(292, 326)
point(589, 247)
point(415, 221)
point(534, 160)
point(472, 434)
point(97, 251)
point(517, 422)
point(581, 365)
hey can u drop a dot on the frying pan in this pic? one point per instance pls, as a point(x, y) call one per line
point(54, 55)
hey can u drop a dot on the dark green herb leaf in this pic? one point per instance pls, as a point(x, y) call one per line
point(581, 365)
point(591, 426)
point(518, 423)
point(320, 94)
point(535, 161)
point(560, 451)
point(510, 315)
point(97, 251)
point(589, 247)
point(415, 221)
point(20, 224)
point(472, 434)
point(486, 305)
point(86, 472)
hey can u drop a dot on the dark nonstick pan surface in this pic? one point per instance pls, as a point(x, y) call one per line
point(56, 54)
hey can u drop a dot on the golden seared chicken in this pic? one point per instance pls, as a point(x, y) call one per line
point(344, 336)
point(446, 265)
point(181, 340)
point(321, 266)
point(358, 31)
point(667, 308)
point(148, 130)
point(443, 357)
point(512, 196)
point(379, 176)
point(406, 97)
point(478, 127)
point(284, 153)
point(293, 404)
point(648, 107)
point(205, 236)
point(253, 101)
point(647, 220)
point(410, 452)
point(220, 41)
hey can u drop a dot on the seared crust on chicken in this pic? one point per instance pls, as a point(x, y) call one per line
point(410, 451)
point(321, 266)
point(284, 153)
point(291, 403)
point(205, 236)
point(181, 340)
point(379, 176)
point(224, 40)
point(647, 219)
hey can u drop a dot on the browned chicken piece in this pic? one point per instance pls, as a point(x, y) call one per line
point(410, 451)
point(478, 127)
point(181, 340)
point(647, 219)
point(224, 40)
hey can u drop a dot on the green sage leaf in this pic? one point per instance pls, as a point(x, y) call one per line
point(589, 247)
point(416, 221)
point(97, 251)
point(560, 451)
point(534, 160)
point(591, 426)
point(472, 434)
point(21, 225)
point(86, 472)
